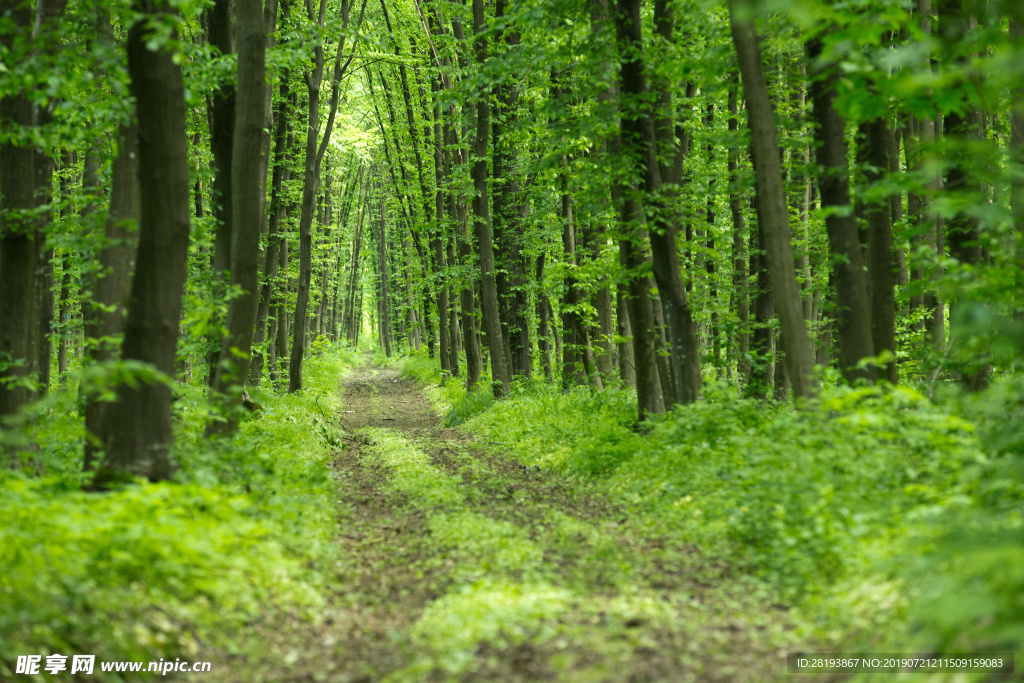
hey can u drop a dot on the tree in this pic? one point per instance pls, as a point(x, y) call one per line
point(772, 201)
point(482, 219)
point(247, 197)
point(139, 422)
point(316, 147)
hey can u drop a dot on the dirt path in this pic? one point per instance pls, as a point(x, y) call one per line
point(461, 564)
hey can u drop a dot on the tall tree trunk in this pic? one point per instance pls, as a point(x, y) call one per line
point(112, 285)
point(880, 251)
point(44, 265)
point(639, 143)
point(281, 174)
point(247, 194)
point(1017, 156)
point(759, 379)
point(221, 32)
point(961, 126)
point(772, 202)
point(139, 421)
point(18, 250)
point(852, 306)
point(543, 320)
point(740, 341)
point(631, 143)
point(481, 215)
point(315, 150)
point(627, 373)
point(474, 360)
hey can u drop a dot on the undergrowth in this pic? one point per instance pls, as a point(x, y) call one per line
point(171, 569)
point(560, 589)
point(887, 518)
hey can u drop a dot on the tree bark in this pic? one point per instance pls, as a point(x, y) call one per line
point(315, 150)
point(960, 126)
point(18, 250)
point(139, 421)
point(221, 34)
point(852, 306)
point(740, 341)
point(774, 215)
point(112, 285)
point(274, 237)
point(880, 250)
point(247, 194)
point(640, 145)
point(481, 215)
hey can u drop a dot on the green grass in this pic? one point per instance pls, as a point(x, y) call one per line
point(885, 517)
point(153, 570)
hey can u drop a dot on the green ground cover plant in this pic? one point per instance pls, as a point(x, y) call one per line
point(886, 517)
point(170, 569)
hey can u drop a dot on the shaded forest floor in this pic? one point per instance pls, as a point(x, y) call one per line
point(459, 563)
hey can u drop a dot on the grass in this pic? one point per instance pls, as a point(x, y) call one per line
point(534, 576)
point(155, 570)
point(887, 519)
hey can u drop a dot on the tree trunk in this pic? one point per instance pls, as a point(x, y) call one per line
point(482, 221)
point(627, 373)
point(852, 306)
point(640, 145)
point(139, 421)
point(543, 321)
point(18, 250)
point(740, 278)
point(759, 366)
point(274, 237)
point(221, 33)
point(880, 251)
point(247, 194)
point(112, 285)
point(963, 125)
point(315, 150)
point(774, 215)
point(474, 361)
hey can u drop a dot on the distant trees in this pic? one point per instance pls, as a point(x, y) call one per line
point(480, 179)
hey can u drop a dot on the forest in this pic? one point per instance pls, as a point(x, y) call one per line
point(518, 340)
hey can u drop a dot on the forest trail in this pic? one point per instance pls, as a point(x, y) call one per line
point(459, 563)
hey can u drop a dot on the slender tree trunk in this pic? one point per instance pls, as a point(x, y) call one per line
point(139, 421)
point(482, 221)
point(1017, 156)
point(543, 320)
point(935, 320)
point(474, 360)
point(627, 372)
point(247, 194)
point(315, 150)
point(221, 33)
point(44, 265)
point(18, 250)
point(772, 202)
point(740, 277)
point(880, 250)
point(760, 376)
point(280, 174)
point(852, 306)
point(639, 143)
point(961, 126)
point(112, 285)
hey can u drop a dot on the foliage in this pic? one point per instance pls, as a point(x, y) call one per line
point(154, 570)
point(878, 492)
